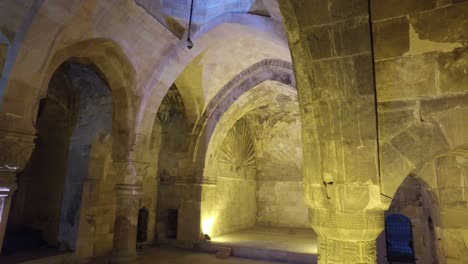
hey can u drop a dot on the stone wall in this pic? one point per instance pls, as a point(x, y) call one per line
point(231, 204)
point(174, 162)
point(94, 116)
point(96, 222)
point(278, 144)
point(450, 172)
point(422, 87)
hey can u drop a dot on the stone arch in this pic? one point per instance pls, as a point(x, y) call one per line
point(228, 133)
point(217, 127)
point(171, 66)
point(274, 71)
point(439, 132)
point(413, 182)
point(266, 70)
point(117, 71)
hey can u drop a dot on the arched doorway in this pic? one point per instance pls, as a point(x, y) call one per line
point(142, 227)
point(410, 225)
point(46, 210)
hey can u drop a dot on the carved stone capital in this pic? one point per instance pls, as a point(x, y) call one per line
point(130, 172)
point(16, 150)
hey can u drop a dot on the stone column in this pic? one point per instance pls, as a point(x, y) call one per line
point(330, 43)
point(16, 149)
point(128, 194)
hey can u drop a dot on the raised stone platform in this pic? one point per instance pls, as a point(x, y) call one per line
point(288, 245)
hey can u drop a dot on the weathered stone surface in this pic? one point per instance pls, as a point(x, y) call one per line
point(360, 161)
point(447, 24)
point(302, 12)
point(343, 9)
point(437, 105)
point(360, 75)
point(455, 245)
point(396, 105)
point(357, 116)
point(382, 9)
point(286, 210)
point(392, 122)
point(319, 42)
point(351, 37)
point(421, 142)
point(408, 77)
point(391, 38)
point(454, 123)
point(341, 77)
point(453, 68)
point(395, 168)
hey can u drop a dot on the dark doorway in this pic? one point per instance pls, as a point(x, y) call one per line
point(172, 221)
point(399, 235)
point(45, 210)
point(142, 228)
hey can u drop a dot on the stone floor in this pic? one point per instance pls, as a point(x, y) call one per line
point(283, 239)
point(164, 254)
point(179, 256)
point(259, 238)
point(26, 256)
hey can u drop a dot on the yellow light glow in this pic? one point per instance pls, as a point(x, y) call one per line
point(207, 224)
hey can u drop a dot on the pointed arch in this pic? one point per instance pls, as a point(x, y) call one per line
point(117, 71)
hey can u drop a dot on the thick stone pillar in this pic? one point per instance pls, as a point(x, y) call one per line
point(128, 192)
point(331, 48)
point(16, 149)
point(126, 220)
